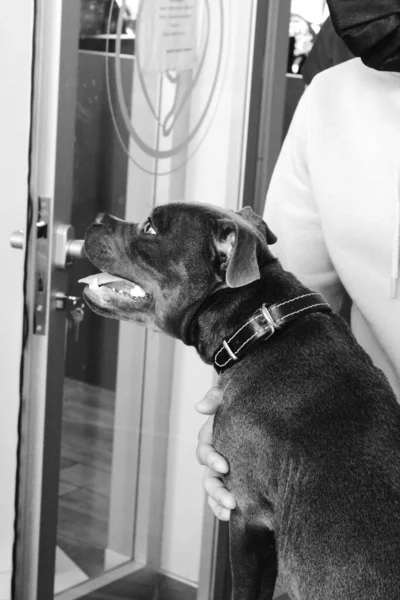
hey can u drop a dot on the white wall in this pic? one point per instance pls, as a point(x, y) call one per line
point(15, 69)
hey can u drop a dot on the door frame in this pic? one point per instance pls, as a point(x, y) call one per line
point(54, 93)
point(41, 422)
point(268, 93)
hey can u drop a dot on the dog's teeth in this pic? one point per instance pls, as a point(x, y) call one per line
point(137, 292)
point(114, 290)
point(94, 284)
point(121, 292)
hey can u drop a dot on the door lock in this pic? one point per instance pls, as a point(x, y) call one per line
point(76, 307)
point(67, 248)
point(63, 301)
point(17, 239)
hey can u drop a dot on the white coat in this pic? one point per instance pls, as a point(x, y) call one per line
point(334, 201)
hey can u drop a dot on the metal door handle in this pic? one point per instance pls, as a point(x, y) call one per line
point(67, 248)
point(17, 239)
point(75, 249)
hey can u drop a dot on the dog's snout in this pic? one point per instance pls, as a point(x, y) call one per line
point(107, 221)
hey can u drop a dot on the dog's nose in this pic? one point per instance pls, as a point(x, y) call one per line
point(107, 221)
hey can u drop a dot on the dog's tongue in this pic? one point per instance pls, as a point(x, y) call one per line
point(117, 284)
point(102, 278)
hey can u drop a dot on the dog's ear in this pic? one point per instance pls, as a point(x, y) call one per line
point(253, 218)
point(237, 253)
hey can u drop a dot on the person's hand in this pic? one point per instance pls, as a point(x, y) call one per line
point(220, 498)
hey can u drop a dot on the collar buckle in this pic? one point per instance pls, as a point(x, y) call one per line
point(273, 326)
point(229, 350)
point(268, 319)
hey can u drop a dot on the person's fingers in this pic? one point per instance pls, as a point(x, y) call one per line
point(207, 456)
point(220, 500)
point(206, 432)
point(215, 488)
point(210, 402)
point(205, 452)
point(222, 513)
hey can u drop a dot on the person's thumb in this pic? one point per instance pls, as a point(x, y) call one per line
point(210, 402)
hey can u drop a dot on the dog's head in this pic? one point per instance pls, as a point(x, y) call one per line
point(155, 271)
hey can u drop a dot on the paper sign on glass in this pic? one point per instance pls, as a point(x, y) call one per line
point(168, 33)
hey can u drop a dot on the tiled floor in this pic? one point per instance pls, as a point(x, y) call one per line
point(146, 585)
point(67, 573)
point(84, 492)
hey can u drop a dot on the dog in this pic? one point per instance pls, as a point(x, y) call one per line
point(309, 426)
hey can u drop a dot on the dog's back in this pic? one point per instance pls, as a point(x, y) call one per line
point(311, 430)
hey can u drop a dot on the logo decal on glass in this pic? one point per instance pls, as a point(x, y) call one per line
point(180, 56)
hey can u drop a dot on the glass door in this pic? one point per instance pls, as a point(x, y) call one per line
point(136, 104)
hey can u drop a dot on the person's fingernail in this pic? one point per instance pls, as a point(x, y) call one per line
point(200, 405)
point(219, 466)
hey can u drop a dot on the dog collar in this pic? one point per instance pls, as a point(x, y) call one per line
point(263, 324)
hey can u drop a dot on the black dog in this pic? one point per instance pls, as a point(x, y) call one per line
point(310, 428)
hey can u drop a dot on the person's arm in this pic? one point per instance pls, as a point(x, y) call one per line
point(292, 213)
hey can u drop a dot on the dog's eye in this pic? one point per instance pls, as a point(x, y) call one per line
point(148, 228)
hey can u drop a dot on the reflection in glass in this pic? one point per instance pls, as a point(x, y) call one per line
point(305, 23)
point(142, 136)
point(100, 181)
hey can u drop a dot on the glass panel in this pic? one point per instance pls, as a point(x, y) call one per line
point(305, 23)
point(161, 116)
point(88, 436)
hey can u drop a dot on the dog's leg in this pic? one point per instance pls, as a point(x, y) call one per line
point(270, 566)
point(253, 560)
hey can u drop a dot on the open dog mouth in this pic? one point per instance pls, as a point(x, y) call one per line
point(122, 287)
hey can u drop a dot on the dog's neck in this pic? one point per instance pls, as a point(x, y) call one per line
point(222, 313)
